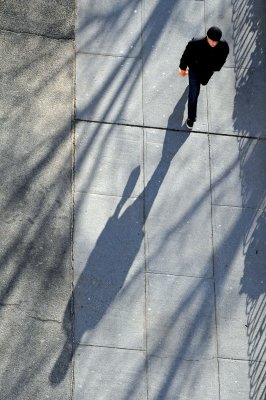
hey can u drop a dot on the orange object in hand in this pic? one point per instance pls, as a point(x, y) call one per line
point(182, 72)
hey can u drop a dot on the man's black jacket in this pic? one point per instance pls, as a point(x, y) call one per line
point(203, 59)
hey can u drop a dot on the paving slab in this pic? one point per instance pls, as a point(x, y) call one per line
point(109, 27)
point(49, 18)
point(238, 171)
point(109, 89)
point(237, 107)
point(239, 237)
point(178, 217)
point(105, 157)
point(180, 317)
point(105, 373)
point(166, 32)
point(173, 378)
point(109, 272)
point(243, 26)
point(29, 348)
point(242, 380)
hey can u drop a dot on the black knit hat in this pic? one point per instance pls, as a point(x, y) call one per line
point(214, 33)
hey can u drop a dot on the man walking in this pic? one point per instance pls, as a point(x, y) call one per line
point(201, 58)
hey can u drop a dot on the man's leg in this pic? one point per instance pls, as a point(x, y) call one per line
point(194, 89)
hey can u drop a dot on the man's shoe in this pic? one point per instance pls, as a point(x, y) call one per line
point(189, 123)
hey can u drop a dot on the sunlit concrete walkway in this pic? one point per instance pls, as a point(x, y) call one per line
point(169, 232)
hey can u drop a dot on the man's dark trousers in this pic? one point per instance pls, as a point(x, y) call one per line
point(193, 94)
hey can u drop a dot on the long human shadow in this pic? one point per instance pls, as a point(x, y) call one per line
point(115, 250)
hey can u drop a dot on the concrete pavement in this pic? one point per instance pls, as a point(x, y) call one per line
point(169, 282)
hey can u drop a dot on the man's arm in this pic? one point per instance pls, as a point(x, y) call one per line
point(185, 58)
point(223, 57)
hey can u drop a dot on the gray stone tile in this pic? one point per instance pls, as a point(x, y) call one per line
point(106, 373)
point(238, 171)
point(243, 26)
point(29, 349)
point(178, 217)
point(237, 107)
point(106, 155)
point(239, 237)
point(49, 18)
point(173, 378)
point(242, 380)
point(180, 317)
point(109, 272)
point(109, 27)
point(166, 32)
point(109, 89)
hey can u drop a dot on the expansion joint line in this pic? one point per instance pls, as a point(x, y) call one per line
point(159, 128)
point(72, 311)
point(64, 39)
point(144, 213)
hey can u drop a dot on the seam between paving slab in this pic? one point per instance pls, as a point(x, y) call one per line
point(73, 187)
point(108, 55)
point(43, 319)
point(73, 203)
point(106, 195)
point(179, 275)
point(110, 347)
point(212, 232)
point(213, 268)
point(203, 358)
point(145, 239)
point(240, 207)
point(160, 128)
point(65, 39)
point(241, 360)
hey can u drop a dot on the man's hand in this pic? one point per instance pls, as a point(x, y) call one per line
point(182, 72)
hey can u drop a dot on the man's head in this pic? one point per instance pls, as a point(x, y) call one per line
point(214, 35)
